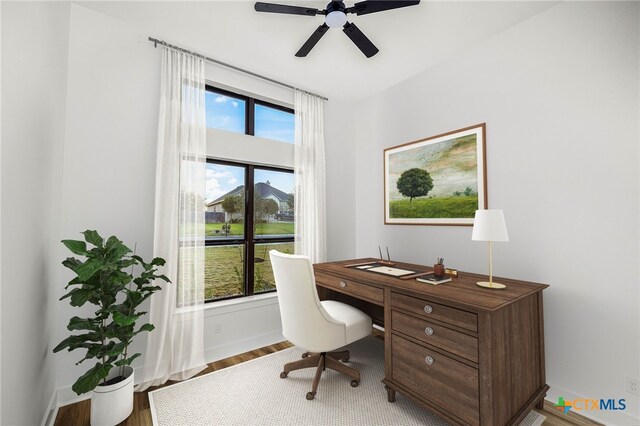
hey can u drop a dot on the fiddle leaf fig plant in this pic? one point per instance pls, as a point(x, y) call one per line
point(102, 280)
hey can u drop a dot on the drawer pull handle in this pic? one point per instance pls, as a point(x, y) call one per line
point(428, 331)
point(343, 284)
point(428, 309)
point(428, 359)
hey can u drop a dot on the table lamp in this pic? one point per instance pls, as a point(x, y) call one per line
point(489, 225)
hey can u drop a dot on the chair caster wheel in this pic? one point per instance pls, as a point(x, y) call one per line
point(305, 355)
point(355, 383)
point(345, 360)
point(311, 395)
point(284, 375)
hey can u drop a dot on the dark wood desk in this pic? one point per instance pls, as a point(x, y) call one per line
point(473, 356)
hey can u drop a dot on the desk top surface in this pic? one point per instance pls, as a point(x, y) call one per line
point(462, 290)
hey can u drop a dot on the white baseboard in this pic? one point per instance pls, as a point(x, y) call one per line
point(619, 418)
point(52, 410)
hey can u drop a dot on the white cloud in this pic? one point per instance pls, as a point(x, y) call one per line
point(219, 182)
point(213, 189)
point(221, 99)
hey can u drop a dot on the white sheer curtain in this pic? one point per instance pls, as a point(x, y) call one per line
point(175, 349)
point(309, 172)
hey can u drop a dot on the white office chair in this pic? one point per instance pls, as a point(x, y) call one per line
point(315, 326)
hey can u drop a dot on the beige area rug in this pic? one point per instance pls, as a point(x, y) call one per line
point(252, 393)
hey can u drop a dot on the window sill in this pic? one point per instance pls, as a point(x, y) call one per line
point(241, 304)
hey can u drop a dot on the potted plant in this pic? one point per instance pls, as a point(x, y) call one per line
point(102, 280)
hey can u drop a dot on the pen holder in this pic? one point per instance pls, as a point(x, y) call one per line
point(438, 270)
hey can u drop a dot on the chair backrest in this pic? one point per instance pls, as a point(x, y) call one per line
point(305, 323)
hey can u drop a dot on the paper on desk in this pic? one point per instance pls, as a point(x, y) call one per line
point(396, 272)
point(364, 267)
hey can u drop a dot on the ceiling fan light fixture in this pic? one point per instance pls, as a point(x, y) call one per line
point(336, 19)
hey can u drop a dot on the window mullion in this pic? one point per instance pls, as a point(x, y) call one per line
point(249, 231)
point(250, 114)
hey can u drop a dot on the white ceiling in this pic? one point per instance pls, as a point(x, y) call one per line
point(410, 40)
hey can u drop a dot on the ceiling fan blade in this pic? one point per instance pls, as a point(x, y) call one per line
point(282, 8)
point(372, 6)
point(360, 40)
point(312, 41)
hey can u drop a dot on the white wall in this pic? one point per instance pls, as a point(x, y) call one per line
point(109, 152)
point(560, 96)
point(340, 155)
point(34, 68)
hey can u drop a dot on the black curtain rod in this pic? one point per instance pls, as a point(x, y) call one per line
point(156, 42)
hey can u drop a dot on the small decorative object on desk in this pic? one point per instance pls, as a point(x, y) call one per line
point(385, 262)
point(451, 272)
point(438, 268)
point(433, 279)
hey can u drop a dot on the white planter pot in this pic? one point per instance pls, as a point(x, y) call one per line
point(112, 404)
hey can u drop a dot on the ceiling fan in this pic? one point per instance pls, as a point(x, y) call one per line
point(336, 16)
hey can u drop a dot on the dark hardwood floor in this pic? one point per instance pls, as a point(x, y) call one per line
point(78, 414)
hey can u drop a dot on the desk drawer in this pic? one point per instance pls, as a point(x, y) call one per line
point(427, 309)
point(444, 381)
point(350, 287)
point(436, 335)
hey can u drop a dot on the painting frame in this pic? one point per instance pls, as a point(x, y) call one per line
point(447, 139)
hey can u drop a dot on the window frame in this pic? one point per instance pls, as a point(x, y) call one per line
point(248, 239)
point(250, 107)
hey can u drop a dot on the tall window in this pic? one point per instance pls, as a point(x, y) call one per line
point(243, 114)
point(249, 212)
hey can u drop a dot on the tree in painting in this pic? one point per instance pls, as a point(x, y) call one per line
point(415, 183)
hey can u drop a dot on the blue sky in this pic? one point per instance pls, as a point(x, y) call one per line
point(227, 113)
point(224, 112)
point(272, 123)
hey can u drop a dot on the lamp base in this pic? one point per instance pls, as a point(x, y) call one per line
point(492, 285)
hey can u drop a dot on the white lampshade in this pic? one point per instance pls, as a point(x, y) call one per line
point(489, 225)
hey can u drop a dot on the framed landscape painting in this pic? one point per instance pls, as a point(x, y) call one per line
point(436, 181)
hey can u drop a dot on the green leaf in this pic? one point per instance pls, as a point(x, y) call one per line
point(117, 350)
point(146, 327)
point(80, 296)
point(77, 323)
point(74, 281)
point(69, 294)
point(127, 361)
point(77, 341)
point(71, 263)
point(124, 320)
point(93, 351)
point(89, 380)
point(87, 269)
point(158, 261)
point(116, 249)
point(76, 247)
point(93, 237)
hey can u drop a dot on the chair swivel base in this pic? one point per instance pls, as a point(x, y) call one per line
point(321, 361)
